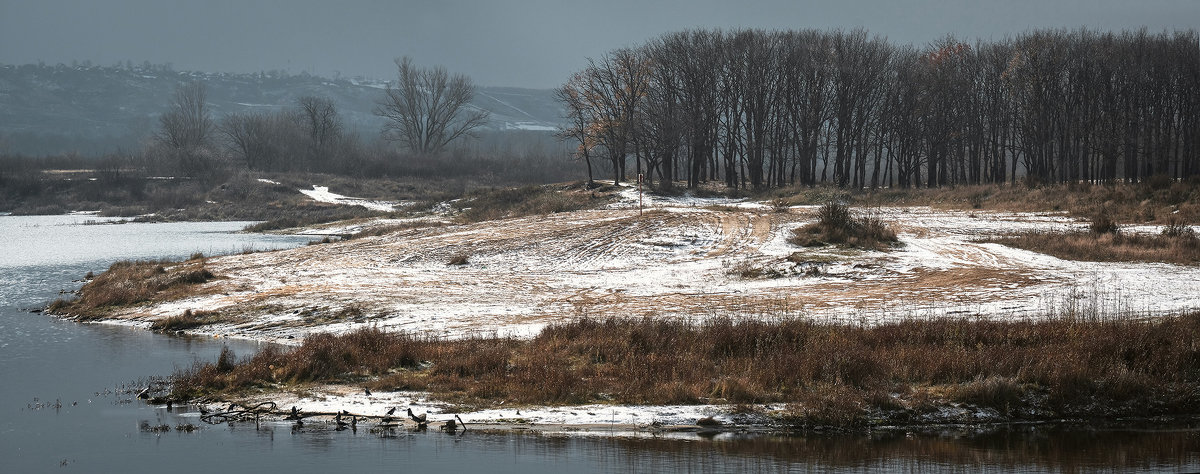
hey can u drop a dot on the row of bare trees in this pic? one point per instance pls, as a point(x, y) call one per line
point(308, 137)
point(758, 109)
point(426, 111)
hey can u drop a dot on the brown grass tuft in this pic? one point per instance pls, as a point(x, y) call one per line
point(994, 391)
point(131, 282)
point(187, 320)
point(1103, 223)
point(837, 225)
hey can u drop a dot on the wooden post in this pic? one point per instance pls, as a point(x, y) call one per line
point(641, 177)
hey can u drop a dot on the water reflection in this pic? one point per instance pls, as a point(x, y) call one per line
point(1022, 447)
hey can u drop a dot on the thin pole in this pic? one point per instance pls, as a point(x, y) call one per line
point(640, 178)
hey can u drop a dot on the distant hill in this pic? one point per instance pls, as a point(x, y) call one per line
point(94, 110)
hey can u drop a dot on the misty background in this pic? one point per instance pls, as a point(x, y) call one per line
point(527, 43)
point(92, 77)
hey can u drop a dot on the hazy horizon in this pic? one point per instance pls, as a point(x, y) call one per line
point(530, 43)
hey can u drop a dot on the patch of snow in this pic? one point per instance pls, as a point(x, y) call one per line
point(530, 126)
point(332, 399)
point(628, 198)
point(322, 194)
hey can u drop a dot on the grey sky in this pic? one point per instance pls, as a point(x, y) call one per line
point(528, 43)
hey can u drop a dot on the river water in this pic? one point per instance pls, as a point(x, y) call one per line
point(62, 406)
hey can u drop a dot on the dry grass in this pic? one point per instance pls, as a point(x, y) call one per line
point(828, 374)
point(529, 200)
point(1179, 245)
point(393, 228)
point(188, 320)
point(310, 213)
point(132, 282)
point(1155, 200)
point(837, 225)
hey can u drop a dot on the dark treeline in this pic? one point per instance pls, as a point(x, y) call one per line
point(758, 109)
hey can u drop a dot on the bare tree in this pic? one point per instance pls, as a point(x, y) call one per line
point(324, 127)
point(187, 125)
point(580, 126)
point(264, 141)
point(428, 108)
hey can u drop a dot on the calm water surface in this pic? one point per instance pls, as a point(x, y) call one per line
point(59, 411)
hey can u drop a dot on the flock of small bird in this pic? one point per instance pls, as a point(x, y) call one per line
point(388, 421)
point(342, 419)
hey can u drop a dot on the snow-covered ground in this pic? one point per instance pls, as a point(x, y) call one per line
point(322, 194)
point(681, 258)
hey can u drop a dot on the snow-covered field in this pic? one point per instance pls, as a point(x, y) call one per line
point(675, 260)
point(680, 258)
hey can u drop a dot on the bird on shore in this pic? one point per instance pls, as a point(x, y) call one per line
point(391, 410)
point(420, 419)
point(232, 407)
point(341, 425)
point(452, 427)
point(295, 415)
point(367, 391)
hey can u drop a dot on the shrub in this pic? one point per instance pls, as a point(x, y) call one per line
point(836, 224)
point(1176, 228)
point(994, 391)
point(226, 361)
point(1102, 223)
point(187, 320)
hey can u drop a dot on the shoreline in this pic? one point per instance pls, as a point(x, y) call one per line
point(725, 425)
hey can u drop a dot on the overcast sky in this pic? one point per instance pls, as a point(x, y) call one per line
point(526, 43)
